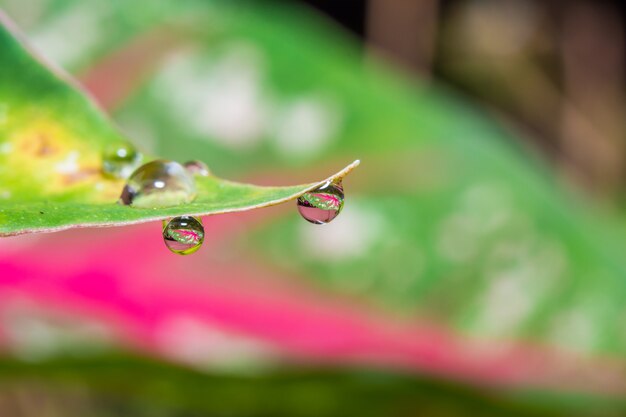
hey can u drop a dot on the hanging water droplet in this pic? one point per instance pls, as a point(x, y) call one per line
point(119, 159)
point(159, 184)
point(322, 204)
point(183, 235)
point(197, 168)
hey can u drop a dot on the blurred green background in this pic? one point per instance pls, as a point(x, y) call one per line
point(488, 204)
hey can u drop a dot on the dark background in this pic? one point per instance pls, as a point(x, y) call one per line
point(562, 86)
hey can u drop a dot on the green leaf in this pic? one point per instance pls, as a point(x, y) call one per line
point(455, 224)
point(51, 140)
point(451, 224)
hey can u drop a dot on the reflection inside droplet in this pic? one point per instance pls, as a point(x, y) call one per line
point(159, 184)
point(322, 204)
point(183, 235)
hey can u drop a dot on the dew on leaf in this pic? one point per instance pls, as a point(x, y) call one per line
point(183, 235)
point(119, 159)
point(322, 204)
point(159, 183)
point(197, 168)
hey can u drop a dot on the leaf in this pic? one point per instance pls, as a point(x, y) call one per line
point(51, 139)
point(453, 225)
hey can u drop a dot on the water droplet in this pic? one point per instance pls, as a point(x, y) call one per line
point(197, 168)
point(183, 235)
point(322, 204)
point(120, 159)
point(159, 184)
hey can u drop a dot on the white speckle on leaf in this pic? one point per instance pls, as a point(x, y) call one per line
point(520, 274)
point(506, 302)
point(457, 238)
point(69, 165)
point(25, 13)
point(351, 234)
point(305, 126)
point(521, 266)
point(221, 100)
point(69, 36)
point(35, 335)
point(589, 313)
point(573, 329)
point(200, 344)
point(483, 209)
point(6, 147)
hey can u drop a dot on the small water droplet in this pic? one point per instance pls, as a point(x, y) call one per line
point(197, 168)
point(322, 204)
point(183, 235)
point(159, 184)
point(119, 159)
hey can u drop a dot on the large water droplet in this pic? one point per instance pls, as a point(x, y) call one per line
point(119, 159)
point(183, 235)
point(197, 168)
point(322, 204)
point(159, 184)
